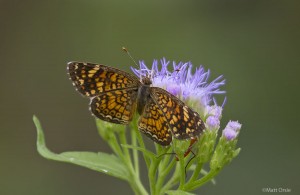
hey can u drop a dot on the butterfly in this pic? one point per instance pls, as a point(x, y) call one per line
point(116, 95)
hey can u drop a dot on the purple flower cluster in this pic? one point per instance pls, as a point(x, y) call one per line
point(181, 82)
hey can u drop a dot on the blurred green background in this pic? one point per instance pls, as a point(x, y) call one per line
point(254, 44)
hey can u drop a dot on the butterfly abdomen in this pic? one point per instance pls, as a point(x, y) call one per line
point(142, 97)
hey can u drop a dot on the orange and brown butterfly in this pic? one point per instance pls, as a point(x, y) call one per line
point(116, 95)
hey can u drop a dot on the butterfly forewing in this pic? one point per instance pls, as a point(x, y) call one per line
point(154, 124)
point(93, 79)
point(182, 120)
point(115, 106)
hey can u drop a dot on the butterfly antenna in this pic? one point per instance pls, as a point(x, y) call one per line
point(126, 50)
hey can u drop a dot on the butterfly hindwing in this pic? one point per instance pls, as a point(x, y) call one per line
point(115, 106)
point(153, 123)
point(93, 79)
point(182, 120)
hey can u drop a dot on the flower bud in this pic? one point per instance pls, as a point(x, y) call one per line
point(212, 123)
point(226, 148)
point(231, 130)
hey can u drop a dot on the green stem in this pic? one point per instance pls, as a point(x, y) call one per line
point(193, 185)
point(115, 146)
point(164, 173)
point(196, 173)
point(182, 172)
point(133, 126)
point(134, 179)
point(122, 137)
point(137, 186)
point(163, 167)
point(152, 175)
point(165, 160)
point(173, 180)
point(110, 138)
point(135, 153)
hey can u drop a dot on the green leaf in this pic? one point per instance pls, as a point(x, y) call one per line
point(178, 192)
point(102, 162)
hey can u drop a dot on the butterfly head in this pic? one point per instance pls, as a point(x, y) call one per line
point(146, 80)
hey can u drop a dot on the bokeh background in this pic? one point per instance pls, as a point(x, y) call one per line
point(254, 44)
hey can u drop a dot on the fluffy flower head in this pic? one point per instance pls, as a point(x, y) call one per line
point(183, 83)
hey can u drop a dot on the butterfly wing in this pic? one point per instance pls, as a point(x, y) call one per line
point(154, 124)
point(184, 123)
point(116, 106)
point(93, 79)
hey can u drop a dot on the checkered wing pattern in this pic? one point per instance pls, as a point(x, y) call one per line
point(182, 120)
point(115, 106)
point(93, 79)
point(154, 124)
point(114, 97)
